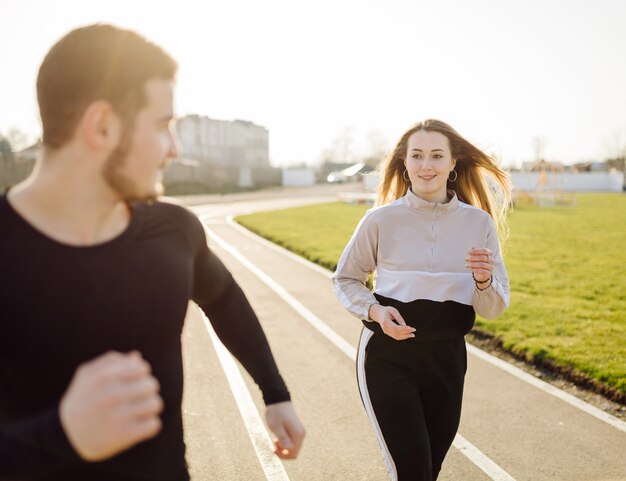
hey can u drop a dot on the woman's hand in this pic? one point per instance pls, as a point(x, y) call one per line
point(391, 322)
point(480, 261)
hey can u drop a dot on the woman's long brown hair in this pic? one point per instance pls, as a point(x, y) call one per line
point(480, 181)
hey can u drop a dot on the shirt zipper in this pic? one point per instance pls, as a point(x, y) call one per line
point(432, 242)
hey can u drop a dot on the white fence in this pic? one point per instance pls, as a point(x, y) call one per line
point(298, 177)
point(569, 181)
point(546, 183)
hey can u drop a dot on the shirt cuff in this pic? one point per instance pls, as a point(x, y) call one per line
point(366, 311)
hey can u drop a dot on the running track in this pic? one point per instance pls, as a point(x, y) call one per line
point(513, 427)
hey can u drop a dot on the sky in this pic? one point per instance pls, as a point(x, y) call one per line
point(501, 72)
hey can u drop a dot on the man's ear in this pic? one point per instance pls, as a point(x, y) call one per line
point(100, 126)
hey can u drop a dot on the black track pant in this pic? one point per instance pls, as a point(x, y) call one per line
point(412, 392)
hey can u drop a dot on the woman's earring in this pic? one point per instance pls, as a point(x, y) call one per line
point(405, 176)
point(455, 175)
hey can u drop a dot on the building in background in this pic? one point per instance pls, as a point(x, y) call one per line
point(237, 143)
point(220, 156)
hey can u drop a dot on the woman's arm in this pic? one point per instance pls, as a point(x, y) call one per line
point(492, 298)
point(356, 263)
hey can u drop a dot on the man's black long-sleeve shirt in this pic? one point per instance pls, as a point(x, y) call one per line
point(63, 305)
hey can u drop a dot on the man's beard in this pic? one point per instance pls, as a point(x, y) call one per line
point(127, 189)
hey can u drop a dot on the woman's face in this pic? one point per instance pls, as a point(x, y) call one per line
point(429, 163)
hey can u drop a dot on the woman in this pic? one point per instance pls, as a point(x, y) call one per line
point(433, 243)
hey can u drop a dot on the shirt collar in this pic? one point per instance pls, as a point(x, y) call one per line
point(418, 204)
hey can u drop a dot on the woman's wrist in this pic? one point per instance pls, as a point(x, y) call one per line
point(371, 311)
point(482, 285)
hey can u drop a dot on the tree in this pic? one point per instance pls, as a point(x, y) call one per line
point(6, 151)
point(377, 148)
point(615, 145)
point(341, 150)
point(18, 139)
point(539, 143)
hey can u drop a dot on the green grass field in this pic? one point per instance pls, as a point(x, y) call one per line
point(567, 267)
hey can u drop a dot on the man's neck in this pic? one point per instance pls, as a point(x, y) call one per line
point(70, 203)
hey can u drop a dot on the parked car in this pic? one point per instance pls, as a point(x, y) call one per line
point(346, 175)
point(336, 178)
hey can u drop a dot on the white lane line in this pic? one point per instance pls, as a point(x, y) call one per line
point(316, 322)
point(260, 205)
point(487, 466)
point(272, 467)
point(474, 454)
point(548, 388)
point(493, 360)
point(277, 248)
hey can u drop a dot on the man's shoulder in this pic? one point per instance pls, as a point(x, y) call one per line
point(7, 214)
point(166, 214)
point(4, 204)
point(167, 208)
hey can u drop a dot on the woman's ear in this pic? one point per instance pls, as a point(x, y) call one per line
point(100, 127)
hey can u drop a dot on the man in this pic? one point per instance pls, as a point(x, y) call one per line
point(96, 277)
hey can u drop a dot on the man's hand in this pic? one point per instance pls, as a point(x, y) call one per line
point(391, 322)
point(111, 404)
point(283, 421)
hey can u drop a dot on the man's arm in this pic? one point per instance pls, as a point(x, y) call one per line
point(238, 327)
point(111, 404)
point(22, 452)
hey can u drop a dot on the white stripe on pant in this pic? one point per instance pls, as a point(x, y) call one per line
point(366, 334)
